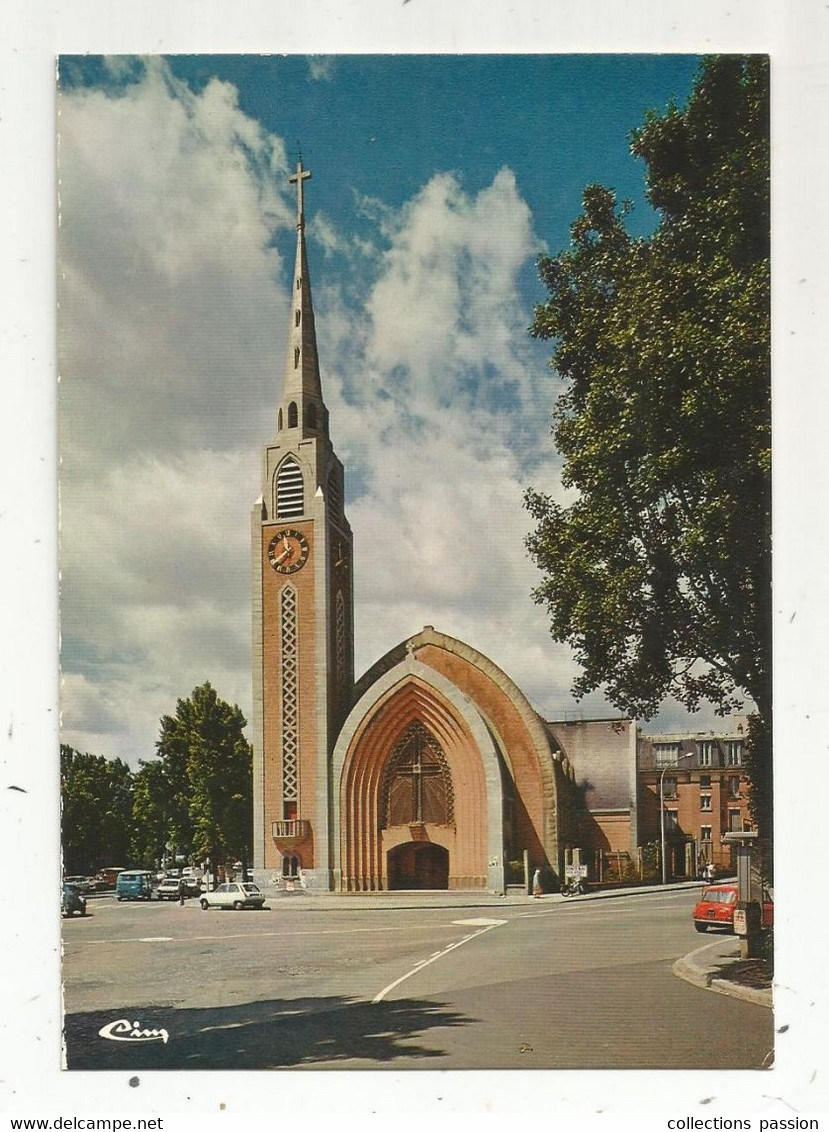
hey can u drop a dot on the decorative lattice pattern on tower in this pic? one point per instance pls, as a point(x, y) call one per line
point(290, 695)
point(417, 784)
point(289, 490)
point(340, 640)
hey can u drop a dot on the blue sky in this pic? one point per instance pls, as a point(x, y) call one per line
point(437, 180)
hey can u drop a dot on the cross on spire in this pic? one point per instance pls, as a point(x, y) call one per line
point(297, 179)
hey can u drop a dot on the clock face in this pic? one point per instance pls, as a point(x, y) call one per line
point(288, 551)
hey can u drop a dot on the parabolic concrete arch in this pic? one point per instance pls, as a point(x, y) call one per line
point(407, 693)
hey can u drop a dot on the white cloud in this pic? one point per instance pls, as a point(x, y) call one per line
point(171, 363)
point(438, 402)
point(170, 372)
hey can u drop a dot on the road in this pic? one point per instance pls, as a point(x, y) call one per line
point(547, 984)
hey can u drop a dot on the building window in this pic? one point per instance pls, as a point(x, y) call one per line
point(666, 754)
point(292, 415)
point(706, 751)
point(279, 425)
point(733, 786)
point(669, 788)
point(417, 786)
point(705, 833)
point(735, 821)
point(671, 821)
point(296, 356)
point(705, 780)
point(291, 866)
point(734, 752)
point(289, 488)
point(705, 801)
point(297, 317)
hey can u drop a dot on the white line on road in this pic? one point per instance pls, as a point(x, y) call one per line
point(425, 962)
point(270, 935)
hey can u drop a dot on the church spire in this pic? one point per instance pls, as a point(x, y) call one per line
point(302, 405)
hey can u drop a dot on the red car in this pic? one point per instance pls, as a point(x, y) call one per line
point(715, 908)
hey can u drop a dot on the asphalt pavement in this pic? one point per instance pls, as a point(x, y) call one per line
point(707, 966)
point(405, 980)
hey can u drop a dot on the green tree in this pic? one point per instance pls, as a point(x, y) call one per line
point(96, 811)
point(208, 769)
point(657, 573)
point(152, 811)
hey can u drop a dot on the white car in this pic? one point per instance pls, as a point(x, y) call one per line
point(237, 895)
point(168, 889)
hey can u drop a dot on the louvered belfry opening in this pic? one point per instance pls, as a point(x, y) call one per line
point(417, 783)
point(290, 501)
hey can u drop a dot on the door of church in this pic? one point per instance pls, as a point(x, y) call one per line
point(418, 864)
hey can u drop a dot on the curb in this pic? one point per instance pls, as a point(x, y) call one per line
point(688, 969)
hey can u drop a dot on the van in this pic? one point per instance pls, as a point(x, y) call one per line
point(136, 884)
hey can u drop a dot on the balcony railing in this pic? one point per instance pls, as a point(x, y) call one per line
point(294, 830)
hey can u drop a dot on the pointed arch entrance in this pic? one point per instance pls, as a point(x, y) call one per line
point(420, 795)
point(416, 794)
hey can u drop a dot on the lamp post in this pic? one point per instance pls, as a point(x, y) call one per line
point(670, 766)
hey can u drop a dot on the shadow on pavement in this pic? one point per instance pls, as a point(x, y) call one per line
point(279, 1033)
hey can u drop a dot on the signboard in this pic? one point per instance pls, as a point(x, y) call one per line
point(573, 871)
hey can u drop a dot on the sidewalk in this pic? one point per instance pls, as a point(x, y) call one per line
point(397, 899)
point(717, 966)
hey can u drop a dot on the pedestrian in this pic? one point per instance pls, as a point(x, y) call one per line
point(182, 892)
point(537, 884)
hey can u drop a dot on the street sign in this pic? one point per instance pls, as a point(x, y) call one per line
point(571, 871)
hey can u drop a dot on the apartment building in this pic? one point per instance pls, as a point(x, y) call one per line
point(700, 780)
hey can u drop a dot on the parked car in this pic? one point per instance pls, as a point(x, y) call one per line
point(168, 889)
point(72, 901)
point(236, 895)
point(107, 877)
point(715, 908)
point(83, 884)
point(135, 884)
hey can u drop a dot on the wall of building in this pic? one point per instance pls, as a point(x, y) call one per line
point(601, 753)
point(706, 792)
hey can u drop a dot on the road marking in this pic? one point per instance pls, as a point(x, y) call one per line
point(481, 922)
point(274, 935)
point(155, 939)
point(425, 962)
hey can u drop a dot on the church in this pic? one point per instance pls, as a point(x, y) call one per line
point(432, 770)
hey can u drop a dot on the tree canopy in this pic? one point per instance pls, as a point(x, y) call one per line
point(96, 810)
point(207, 777)
point(658, 571)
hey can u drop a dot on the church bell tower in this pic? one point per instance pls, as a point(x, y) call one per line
point(303, 651)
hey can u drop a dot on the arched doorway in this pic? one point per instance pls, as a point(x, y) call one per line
point(417, 864)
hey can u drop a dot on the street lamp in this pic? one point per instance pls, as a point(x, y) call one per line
point(670, 766)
